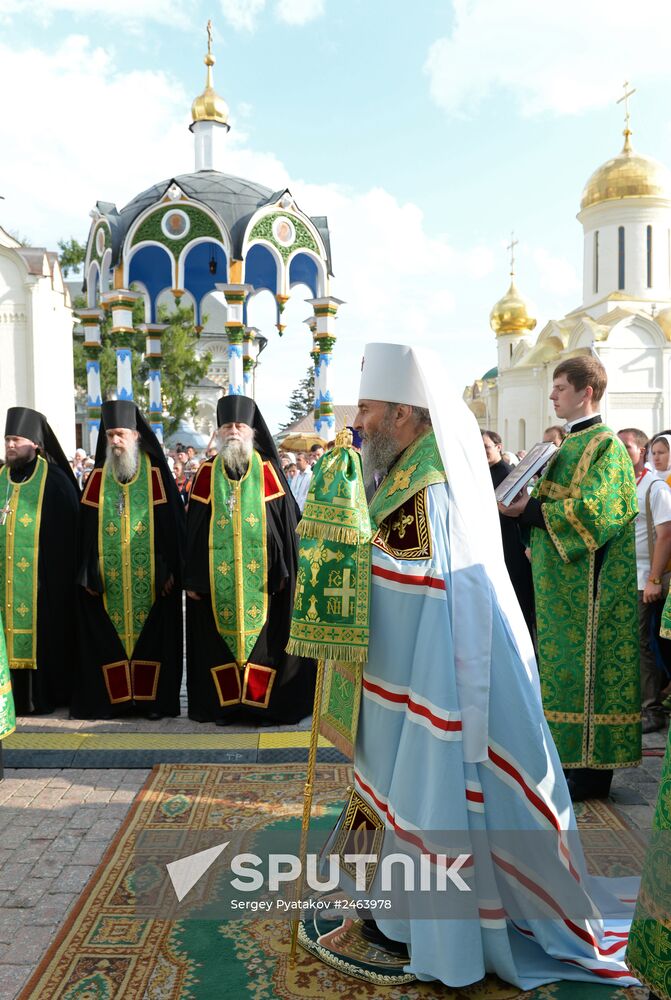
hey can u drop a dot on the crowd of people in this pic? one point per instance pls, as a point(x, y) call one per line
point(514, 654)
point(184, 462)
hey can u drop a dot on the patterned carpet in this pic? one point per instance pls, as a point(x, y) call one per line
point(107, 951)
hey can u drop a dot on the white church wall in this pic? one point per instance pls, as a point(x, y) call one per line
point(634, 216)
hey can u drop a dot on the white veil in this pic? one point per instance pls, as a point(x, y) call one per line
point(479, 577)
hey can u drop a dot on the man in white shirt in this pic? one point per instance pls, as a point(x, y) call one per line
point(300, 484)
point(653, 551)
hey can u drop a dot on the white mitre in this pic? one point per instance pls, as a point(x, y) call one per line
point(390, 373)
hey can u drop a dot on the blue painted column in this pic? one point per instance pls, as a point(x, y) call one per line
point(121, 303)
point(153, 350)
point(235, 304)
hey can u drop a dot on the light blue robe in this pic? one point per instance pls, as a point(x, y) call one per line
point(409, 766)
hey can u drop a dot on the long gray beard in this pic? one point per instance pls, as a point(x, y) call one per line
point(125, 464)
point(378, 453)
point(236, 455)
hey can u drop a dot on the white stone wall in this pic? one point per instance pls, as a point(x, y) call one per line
point(36, 367)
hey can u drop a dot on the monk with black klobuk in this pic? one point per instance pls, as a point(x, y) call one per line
point(240, 576)
point(39, 500)
point(129, 600)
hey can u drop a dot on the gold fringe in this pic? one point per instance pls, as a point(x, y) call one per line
point(327, 651)
point(340, 742)
point(329, 532)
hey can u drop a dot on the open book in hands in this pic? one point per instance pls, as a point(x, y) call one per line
point(533, 462)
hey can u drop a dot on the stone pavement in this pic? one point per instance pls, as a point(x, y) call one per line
point(56, 823)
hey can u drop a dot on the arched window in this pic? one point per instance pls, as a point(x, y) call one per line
point(596, 261)
point(648, 252)
point(620, 258)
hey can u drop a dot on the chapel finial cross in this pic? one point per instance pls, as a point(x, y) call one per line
point(511, 246)
point(625, 97)
point(209, 38)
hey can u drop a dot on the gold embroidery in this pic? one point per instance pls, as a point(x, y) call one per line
point(251, 520)
point(23, 564)
point(26, 520)
point(577, 524)
point(401, 480)
point(401, 523)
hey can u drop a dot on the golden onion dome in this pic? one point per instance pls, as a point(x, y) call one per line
point(627, 175)
point(510, 314)
point(209, 106)
point(663, 320)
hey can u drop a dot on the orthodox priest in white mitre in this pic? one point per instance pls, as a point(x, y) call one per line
point(451, 732)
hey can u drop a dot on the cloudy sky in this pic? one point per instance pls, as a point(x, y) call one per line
point(426, 132)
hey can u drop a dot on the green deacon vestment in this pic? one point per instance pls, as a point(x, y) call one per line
point(649, 947)
point(584, 569)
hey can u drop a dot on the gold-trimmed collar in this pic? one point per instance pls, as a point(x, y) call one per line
point(418, 466)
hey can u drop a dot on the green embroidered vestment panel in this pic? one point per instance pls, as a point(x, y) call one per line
point(584, 569)
point(19, 557)
point(126, 550)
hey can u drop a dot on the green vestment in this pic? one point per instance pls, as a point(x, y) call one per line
point(7, 713)
point(584, 569)
point(649, 947)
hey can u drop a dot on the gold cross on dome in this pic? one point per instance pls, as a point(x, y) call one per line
point(511, 246)
point(625, 97)
point(209, 38)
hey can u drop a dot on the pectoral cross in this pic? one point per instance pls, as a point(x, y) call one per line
point(230, 503)
point(121, 504)
point(4, 513)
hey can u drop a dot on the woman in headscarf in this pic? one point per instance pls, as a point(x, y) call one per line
point(660, 453)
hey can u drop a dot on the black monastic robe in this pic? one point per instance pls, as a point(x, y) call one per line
point(517, 564)
point(50, 685)
point(103, 690)
point(291, 695)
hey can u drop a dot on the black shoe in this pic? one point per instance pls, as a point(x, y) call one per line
point(589, 783)
point(371, 932)
point(154, 716)
point(652, 722)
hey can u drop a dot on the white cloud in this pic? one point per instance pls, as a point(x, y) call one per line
point(564, 58)
point(127, 11)
point(400, 281)
point(299, 11)
point(556, 275)
point(243, 15)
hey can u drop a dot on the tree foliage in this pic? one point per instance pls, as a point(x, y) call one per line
point(72, 255)
point(302, 399)
point(180, 366)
